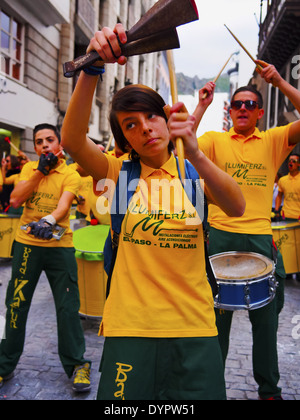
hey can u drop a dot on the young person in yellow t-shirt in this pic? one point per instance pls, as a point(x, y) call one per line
point(289, 190)
point(47, 187)
point(252, 158)
point(159, 323)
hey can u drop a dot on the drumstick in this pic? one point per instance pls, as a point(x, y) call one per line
point(11, 144)
point(244, 48)
point(217, 77)
point(109, 143)
point(174, 94)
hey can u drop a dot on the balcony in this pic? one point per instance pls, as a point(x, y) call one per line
point(85, 21)
point(49, 12)
point(280, 32)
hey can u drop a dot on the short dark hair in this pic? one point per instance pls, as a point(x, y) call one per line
point(46, 126)
point(250, 88)
point(134, 98)
point(295, 154)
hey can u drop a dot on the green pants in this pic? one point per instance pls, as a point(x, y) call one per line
point(264, 320)
point(161, 369)
point(60, 267)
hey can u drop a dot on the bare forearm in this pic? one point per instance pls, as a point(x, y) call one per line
point(221, 189)
point(291, 93)
point(24, 189)
point(63, 206)
point(78, 114)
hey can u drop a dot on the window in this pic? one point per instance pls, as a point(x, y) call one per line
point(11, 51)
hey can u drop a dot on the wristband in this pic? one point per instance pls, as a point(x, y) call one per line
point(94, 70)
point(49, 219)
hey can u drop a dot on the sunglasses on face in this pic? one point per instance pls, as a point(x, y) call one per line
point(249, 105)
point(293, 161)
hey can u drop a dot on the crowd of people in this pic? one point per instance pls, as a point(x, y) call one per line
point(164, 338)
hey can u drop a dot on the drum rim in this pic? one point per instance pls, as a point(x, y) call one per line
point(289, 226)
point(247, 280)
point(78, 232)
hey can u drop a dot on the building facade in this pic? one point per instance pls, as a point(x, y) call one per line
point(37, 37)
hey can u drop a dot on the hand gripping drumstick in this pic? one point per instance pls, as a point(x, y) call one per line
point(244, 48)
point(217, 78)
point(174, 94)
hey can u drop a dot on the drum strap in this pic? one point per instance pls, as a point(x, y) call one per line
point(275, 252)
point(121, 202)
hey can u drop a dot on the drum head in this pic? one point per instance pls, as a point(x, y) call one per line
point(241, 266)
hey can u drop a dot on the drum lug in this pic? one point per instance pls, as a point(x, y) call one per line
point(247, 295)
point(273, 284)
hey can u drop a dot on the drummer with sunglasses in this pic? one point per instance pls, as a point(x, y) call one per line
point(252, 158)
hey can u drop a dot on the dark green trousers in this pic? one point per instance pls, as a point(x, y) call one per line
point(161, 369)
point(264, 320)
point(60, 267)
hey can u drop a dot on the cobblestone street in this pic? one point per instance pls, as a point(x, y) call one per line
point(40, 376)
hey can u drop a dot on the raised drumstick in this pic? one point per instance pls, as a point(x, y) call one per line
point(11, 144)
point(217, 77)
point(174, 94)
point(244, 48)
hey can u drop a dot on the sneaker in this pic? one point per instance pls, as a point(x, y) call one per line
point(81, 378)
point(6, 378)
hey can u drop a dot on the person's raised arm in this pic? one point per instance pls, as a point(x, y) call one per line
point(206, 96)
point(220, 188)
point(75, 126)
point(271, 75)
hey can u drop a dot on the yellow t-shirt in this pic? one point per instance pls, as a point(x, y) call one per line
point(159, 286)
point(99, 209)
point(253, 162)
point(86, 186)
point(290, 187)
point(44, 201)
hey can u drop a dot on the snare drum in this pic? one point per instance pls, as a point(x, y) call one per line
point(246, 280)
point(89, 244)
point(287, 239)
point(8, 227)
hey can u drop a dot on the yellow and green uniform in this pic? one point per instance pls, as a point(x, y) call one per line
point(165, 251)
point(160, 302)
point(31, 256)
point(290, 187)
point(44, 200)
point(253, 162)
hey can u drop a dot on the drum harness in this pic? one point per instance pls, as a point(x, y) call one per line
point(133, 170)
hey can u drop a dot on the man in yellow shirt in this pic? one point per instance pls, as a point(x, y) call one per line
point(47, 187)
point(253, 159)
point(289, 189)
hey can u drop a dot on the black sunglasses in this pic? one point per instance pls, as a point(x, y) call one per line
point(250, 105)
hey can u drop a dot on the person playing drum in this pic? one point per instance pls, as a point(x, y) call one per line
point(252, 158)
point(159, 323)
